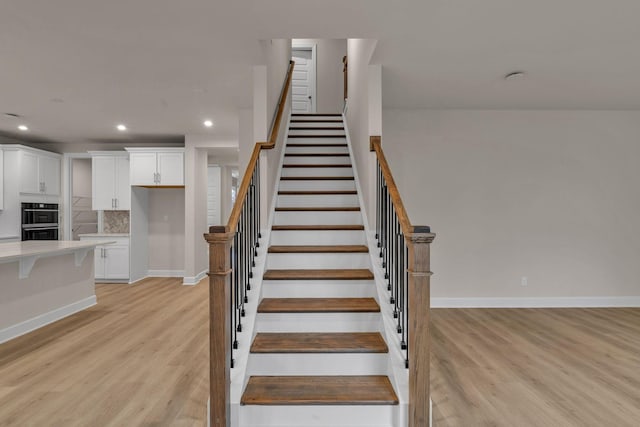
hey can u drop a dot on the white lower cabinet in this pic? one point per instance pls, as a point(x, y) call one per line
point(111, 260)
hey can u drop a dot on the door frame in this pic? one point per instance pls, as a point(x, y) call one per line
point(67, 191)
point(300, 45)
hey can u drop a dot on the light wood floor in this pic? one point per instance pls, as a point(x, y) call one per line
point(139, 358)
point(544, 367)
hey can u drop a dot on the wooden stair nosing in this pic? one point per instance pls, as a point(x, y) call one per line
point(318, 209)
point(316, 165)
point(319, 342)
point(337, 145)
point(322, 274)
point(316, 121)
point(323, 227)
point(318, 193)
point(316, 154)
point(319, 390)
point(318, 305)
point(316, 127)
point(316, 115)
point(317, 178)
point(317, 249)
point(317, 136)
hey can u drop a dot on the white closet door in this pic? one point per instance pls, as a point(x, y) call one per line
point(213, 196)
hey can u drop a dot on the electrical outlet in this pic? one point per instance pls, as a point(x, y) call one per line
point(524, 281)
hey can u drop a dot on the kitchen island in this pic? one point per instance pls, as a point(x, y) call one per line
point(44, 281)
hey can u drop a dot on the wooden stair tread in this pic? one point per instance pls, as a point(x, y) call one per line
point(316, 127)
point(323, 274)
point(317, 145)
point(317, 249)
point(323, 227)
point(318, 305)
point(316, 154)
point(319, 209)
point(316, 114)
point(317, 192)
point(316, 165)
point(317, 178)
point(319, 390)
point(318, 136)
point(319, 342)
point(316, 121)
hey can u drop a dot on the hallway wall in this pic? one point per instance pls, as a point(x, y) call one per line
point(547, 195)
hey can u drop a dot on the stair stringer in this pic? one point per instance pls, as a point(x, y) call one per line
point(239, 377)
point(398, 374)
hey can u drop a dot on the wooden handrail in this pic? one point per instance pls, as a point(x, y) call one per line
point(255, 155)
point(418, 240)
point(405, 224)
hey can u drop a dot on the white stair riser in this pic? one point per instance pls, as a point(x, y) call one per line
point(314, 160)
point(316, 416)
point(304, 171)
point(318, 364)
point(318, 322)
point(318, 261)
point(326, 200)
point(317, 217)
point(325, 237)
point(316, 140)
point(318, 289)
point(315, 124)
point(315, 131)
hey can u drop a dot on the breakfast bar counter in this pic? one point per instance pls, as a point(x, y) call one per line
point(44, 281)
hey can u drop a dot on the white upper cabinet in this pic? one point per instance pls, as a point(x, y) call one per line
point(39, 173)
point(110, 182)
point(153, 167)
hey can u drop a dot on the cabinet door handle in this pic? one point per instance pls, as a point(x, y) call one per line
point(117, 203)
point(159, 177)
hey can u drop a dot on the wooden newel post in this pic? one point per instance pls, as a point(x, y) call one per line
point(220, 241)
point(419, 332)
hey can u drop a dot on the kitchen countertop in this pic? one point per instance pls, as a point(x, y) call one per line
point(38, 248)
point(104, 235)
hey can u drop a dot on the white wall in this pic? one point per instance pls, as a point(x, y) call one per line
point(550, 195)
point(166, 229)
point(81, 177)
point(329, 75)
point(359, 52)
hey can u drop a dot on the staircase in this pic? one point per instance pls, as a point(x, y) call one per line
point(318, 357)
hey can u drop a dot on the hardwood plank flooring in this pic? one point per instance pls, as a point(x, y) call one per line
point(137, 358)
point(318, 249)
point(536, 367)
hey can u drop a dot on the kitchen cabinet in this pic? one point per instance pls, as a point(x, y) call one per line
point(110, 182)
point(111, 260)
point(39, 173)
point(154, 167)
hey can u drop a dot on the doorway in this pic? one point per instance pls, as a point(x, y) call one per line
point(303, 86)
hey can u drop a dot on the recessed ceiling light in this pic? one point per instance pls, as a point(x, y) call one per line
point(121, 128)
point(208, 123)
point(23, 128)
point(514, 75)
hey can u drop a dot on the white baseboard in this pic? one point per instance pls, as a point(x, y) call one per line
point(194, 280)
point(44, 319)
point(165, 273)
point(560, 302)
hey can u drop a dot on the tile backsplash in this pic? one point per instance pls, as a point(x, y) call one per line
point(115, 222)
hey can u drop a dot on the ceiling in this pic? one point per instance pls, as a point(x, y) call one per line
point(75, 68)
